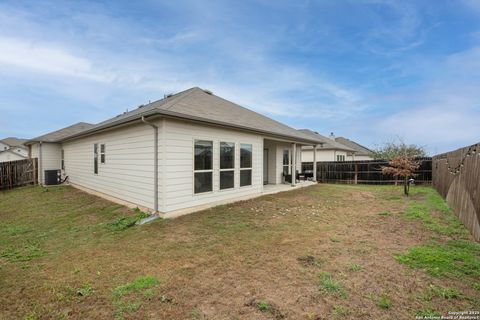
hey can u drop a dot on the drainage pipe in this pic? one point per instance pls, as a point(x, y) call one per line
point(155, 160)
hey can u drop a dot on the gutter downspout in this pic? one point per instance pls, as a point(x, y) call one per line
point(155, 159)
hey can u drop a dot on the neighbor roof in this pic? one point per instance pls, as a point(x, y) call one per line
point(328, 144)
point(57, 136)
point(14, 152)
point(360, 150)
point(14, 142)
point(201, 105)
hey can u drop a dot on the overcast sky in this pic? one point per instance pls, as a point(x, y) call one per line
point(366, 70)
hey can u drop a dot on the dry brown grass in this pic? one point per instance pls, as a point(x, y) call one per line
point(276, 257)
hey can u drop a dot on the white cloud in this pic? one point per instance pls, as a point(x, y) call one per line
point(47, 58)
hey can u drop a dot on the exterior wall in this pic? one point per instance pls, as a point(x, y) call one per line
point(178, 164)
point(273, 167)
point(9, 156)
point(322, 155)
point(51, 158)
point(359, 158)
point(4, 146)
point(128, 171)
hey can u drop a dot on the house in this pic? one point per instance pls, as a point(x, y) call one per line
point(329, 150)
point(12, 149)
point(186, 152)
point(361, 152)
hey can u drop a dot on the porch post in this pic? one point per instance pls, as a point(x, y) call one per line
point(315, 162)
point(294, 163)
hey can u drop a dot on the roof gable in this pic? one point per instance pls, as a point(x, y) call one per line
point(328, 144)
point(360, 150)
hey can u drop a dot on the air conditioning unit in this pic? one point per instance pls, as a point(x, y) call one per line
point(52, 177)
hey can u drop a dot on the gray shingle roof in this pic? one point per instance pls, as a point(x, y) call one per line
point(59, 135)
point(14, 142)
point(328, 144)
point(200, 105)
point(360, 150)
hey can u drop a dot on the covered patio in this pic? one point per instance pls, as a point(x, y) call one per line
point(282, 164)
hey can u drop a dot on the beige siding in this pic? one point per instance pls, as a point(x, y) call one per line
point(129, 166)
point(322, 155)
point(9, 156)
point(359, 158)
point(51, 157)
point(179, 143)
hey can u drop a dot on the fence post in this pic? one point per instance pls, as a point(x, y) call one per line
point(356, 174)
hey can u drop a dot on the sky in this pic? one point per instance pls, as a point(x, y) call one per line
point(369, 70)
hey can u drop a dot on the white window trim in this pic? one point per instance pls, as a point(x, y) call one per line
point(104, 152)
point(289, 165)
point(249, 168)
point(200, 171)
point(227, 169)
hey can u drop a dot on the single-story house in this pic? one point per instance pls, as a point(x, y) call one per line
point(329, 150)
point(183, 153)
point(361, 152)
point(12, 149)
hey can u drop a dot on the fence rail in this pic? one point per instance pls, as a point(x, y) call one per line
point(456, 176)
point(364, 172)
point(18, 173)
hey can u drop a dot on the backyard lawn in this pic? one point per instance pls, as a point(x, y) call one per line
point(322, 252)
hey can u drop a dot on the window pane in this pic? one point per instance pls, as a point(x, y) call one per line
point(227, 155)
point(95, 158)
point(245, 156)
point(245, 178)
point(226, 179)
point(285, 157)
point(203, 182)
point(102, 158)
point(203, 155)
point(102, 148)
point(285, 170)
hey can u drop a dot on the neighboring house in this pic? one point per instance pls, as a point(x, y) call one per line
point(361, 152)
point(12, 149)
point(176, 155)
point(11, 155)
point(329, 150)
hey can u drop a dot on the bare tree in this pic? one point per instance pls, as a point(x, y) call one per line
point(402, 167)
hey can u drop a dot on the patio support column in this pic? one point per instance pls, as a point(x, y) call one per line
point(294, 163)
point(315, 163)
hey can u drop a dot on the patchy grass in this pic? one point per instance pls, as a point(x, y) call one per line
point(384, 302)
point(65, 254)
point(453, 259)
point(330, 286)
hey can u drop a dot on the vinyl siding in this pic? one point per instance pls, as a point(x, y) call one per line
point(359, 158)
point(322, 155)
point(128, 172)
point(9, 156)
point(51, 158)
point(178, 165)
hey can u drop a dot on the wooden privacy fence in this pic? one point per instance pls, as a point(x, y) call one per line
point(456, 176)
point(365, 172)
point(18, 173)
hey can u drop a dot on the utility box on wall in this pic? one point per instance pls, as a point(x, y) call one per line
point(52, 177)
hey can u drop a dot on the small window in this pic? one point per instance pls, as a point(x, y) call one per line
point(286, 162)
point(245, 165)
point(340, 157)
point(203, 164)
point(63, 159)
point(102, 153)
point(227, 165)
point(95, 158)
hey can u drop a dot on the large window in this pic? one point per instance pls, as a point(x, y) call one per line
point(203, 166)
point(95, 158)
point(227, 165)
point(245, 165)
point(286, 162)
point(102, 153)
